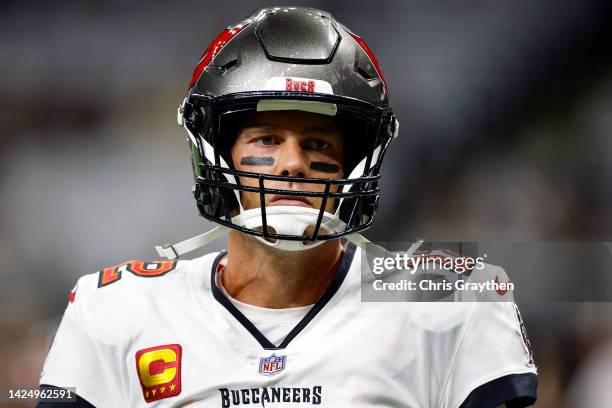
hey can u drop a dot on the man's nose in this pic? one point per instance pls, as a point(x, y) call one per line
point(292, 159)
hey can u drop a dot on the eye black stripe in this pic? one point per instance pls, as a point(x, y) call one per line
point(325, 167)
point(257, 161)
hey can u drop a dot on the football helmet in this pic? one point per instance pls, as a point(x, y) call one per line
point(286, 58)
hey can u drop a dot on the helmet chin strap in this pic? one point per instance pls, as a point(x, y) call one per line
point(174, 251)
point(289, 220)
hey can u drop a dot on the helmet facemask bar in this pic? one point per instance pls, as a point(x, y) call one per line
point(368, 161)
point(325, 195)
point(356, 194)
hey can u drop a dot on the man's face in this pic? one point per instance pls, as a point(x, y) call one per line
point(289, 143)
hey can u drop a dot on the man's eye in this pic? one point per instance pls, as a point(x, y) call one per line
point(317, 144)
point(265, 140)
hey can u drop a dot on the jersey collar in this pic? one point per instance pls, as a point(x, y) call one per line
point(331, 290)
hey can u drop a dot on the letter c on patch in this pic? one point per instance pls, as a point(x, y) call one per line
point(157, 367)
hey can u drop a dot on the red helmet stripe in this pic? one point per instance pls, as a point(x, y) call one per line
point(215, 46)
point(368, 51)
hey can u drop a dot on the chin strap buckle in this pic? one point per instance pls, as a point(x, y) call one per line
point(166, 251)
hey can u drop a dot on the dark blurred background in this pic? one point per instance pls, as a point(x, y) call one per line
point(506, 135)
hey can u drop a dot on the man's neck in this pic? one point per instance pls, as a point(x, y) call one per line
point(267, 277)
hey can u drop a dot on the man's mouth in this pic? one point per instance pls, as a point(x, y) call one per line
point(299, 201)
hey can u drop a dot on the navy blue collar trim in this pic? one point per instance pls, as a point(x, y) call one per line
point(317, 307)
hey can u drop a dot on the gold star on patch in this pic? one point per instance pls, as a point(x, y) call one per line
point(154, 391)
point(172, 387)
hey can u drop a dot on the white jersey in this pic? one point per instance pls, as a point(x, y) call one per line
point(165, 335)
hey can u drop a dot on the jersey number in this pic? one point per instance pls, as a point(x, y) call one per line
point(138, 268)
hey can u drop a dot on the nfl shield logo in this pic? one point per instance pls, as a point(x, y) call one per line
point(271, 365)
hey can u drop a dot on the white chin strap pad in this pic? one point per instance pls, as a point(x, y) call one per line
point(290, 220)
